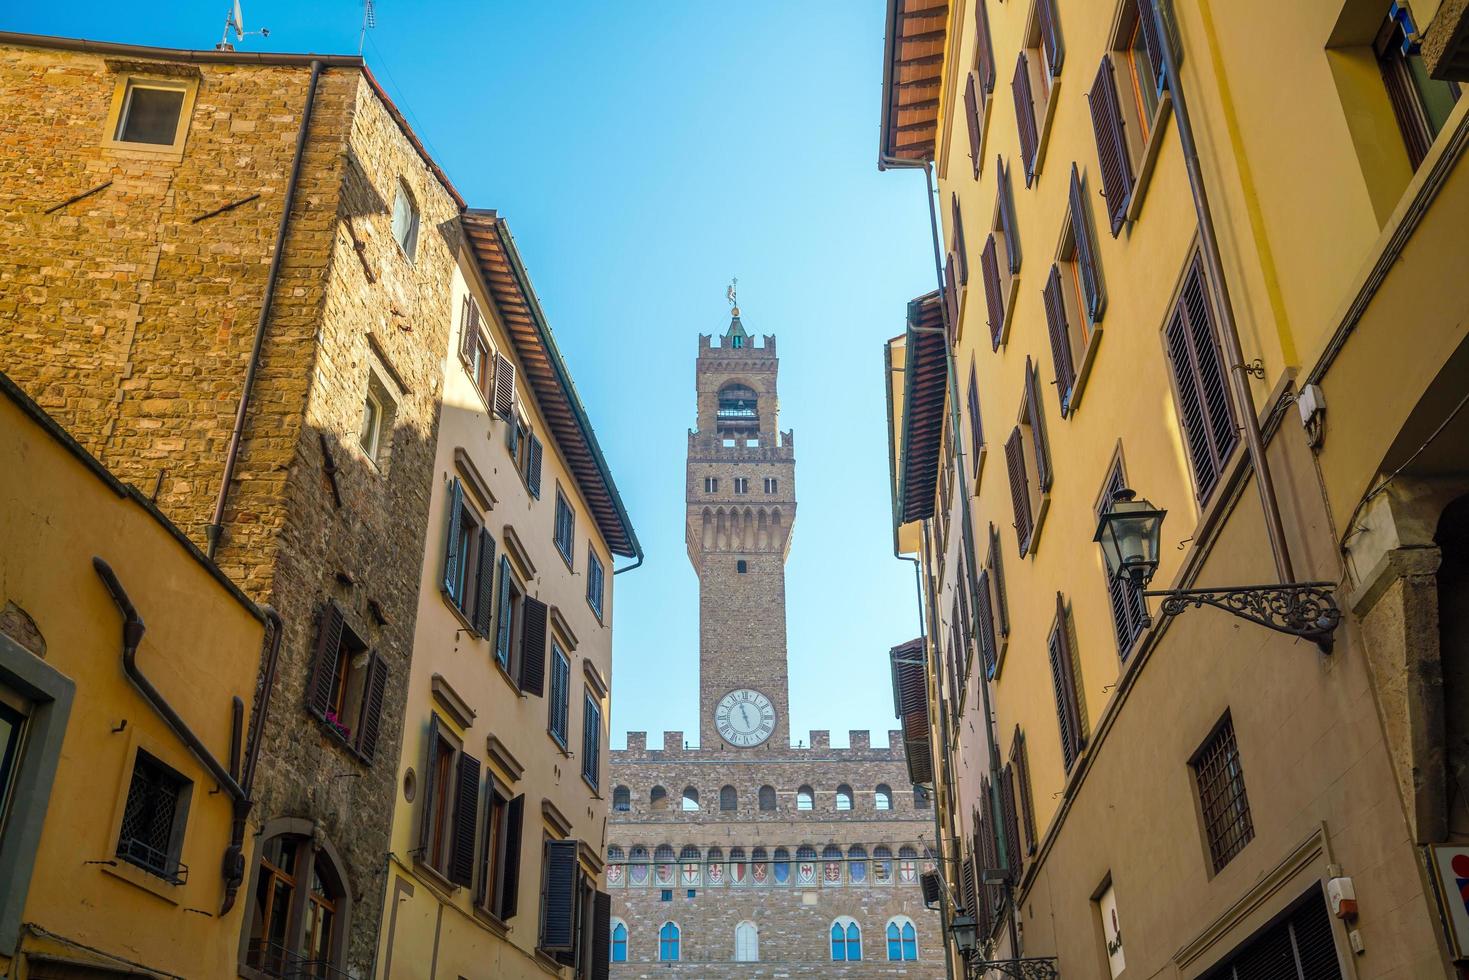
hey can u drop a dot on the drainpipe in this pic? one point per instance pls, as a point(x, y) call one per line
point(1228, 330)
point(943, 727)
point(215, 529)
point(233, 865)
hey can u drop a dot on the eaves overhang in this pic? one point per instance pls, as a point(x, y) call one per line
point(912, 77)
point(925, 383)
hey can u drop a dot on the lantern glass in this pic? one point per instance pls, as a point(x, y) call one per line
point(966, 932)
point(1129, 533)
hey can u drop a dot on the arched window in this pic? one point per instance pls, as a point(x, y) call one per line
point(805, 799)
point(759, 867)
point(831, 865)
point(738, 409)
point(882, 866)
point(637, 866)
point(714, 867)
point(902, 938)
point(739, 868)
point(883, 797)
point(747, 943)
point(301, 906)
point(619, 941)
point(690, 799)
point(622, 799)
point(616, 870)
point(844, 797)
point(782, 865)
point(907, 865)
point(767, 798)
point(688, 859)
point(658, 797)
point(846, 940)
point(857, 864)
point(806, 865)
point(663, 870)
point(728, 798)
point(668, 943)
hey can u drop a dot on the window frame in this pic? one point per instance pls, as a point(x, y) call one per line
point(1219, 848)
point(1405, 96)
point(665, 938)
point(846, 925)
point(591, 765)
point(558, 706)
point(408, 244)
point(596, 583)
point(1042, 64)
point(172, 871)
point(121, 101)
point(477, 349)
point(563, 532)
point(311, 847)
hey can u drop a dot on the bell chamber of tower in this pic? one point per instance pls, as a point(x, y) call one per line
point(741, 504)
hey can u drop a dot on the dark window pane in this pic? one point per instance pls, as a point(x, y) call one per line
point(151, 115)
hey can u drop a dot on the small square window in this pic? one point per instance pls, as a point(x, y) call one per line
point(742, 484)
point(692, 892)
point(711, 484)
point(153, 819)
point(770, 484)
point(405, 221)
point(741, 567)
point(150, 114)
point(667, 895)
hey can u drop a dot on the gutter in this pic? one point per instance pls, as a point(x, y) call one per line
point(233, 864)
point(215, 528)
point(211, 56)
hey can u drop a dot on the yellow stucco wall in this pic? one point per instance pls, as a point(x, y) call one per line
point(201, 648)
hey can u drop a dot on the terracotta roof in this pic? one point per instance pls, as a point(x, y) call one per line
point(912, 71)
point(545, 371)
point(925, 382)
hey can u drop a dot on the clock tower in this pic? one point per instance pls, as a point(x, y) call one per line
point(741, 503)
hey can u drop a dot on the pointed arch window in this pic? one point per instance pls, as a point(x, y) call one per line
point(902, 939)
point(619, 941)
point(767, 798)
point(882, 797)
point(747, 943)
point(846, 940)
point(844, 797)
point(668, 942)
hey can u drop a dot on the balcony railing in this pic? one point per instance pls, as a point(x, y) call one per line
point(152, 860)
point(275, 960)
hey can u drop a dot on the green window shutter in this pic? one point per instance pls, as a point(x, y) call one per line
point(533, 467)
point(533, 647)
point(484, 580)
point(452, 558)
point(510, 883)
point(558, 896)
point(503, 614)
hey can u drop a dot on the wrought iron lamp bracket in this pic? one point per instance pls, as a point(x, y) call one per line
point(1026, 968)
point(1304, 609)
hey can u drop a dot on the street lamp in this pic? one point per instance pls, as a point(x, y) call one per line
point(965, 930)
point(1129, 532)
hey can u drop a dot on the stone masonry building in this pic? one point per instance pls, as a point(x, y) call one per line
point(746, 857)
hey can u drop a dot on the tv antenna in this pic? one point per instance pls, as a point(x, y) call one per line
point(234, 20)
point(369, 20)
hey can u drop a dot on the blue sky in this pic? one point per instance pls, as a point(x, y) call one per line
point(644, 154)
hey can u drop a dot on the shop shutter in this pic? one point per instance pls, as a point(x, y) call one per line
point(1019, 487)
point(1055, 303)
point(533, 647)
point(994, 300)
point(371, 725)
point(451, 545)
point(972, 121)
point(484, 581)
point(1107, 125)
point(1198, 373)
point(1092, 290)
point(510, 893)
point(1025, 116)
point(1045, 13)
point(504, 388)
point(466, 814)
point(558, 896)
point(1038, 429)
point(324, 664)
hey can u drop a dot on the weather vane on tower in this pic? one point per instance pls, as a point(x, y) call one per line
point(729, 294)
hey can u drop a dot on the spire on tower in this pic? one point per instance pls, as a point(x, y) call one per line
point(735, 336)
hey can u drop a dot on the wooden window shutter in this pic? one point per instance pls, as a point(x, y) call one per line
point(1038, 429)
point(591, 741)
point(1129, 611)
point(1155, 49)
point(1019, 487)
point(972, 119)
point(1056, 325)
point(324, 664)
point(558, 896)
point(994, 300)
point(451, 546)
point(976, 428)
point(533, 648)
point(370, 726)
point(1012, 822)
point(504, 388)
point(510, 884)
point(997, 568)
point(984, 611)
point(467, 327)
point(1021, 761)
point(984, 47)
point(1005, 200)
point(968, 876)
point(503, 637)
point(1045, 12)
point(960, 248)
point(484, 892)
point(951, 298)
point(426, 793)
point(1025, 116)
point(1086, 253)
point(601, 935)
point(533, 467)
point(466, 819)
point(1068, 712)
point(484, 581)
point(1107, 125)
point(1198, 374)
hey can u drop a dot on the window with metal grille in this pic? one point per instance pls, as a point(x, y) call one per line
point(1200, 383)
point(1129, 611)
point(1297, 947)
point(153, 819)
point(1221, 783)
point(565, 525)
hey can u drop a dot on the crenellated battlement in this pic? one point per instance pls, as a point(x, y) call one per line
point(816, 748)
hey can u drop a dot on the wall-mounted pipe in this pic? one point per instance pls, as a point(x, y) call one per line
point(215, 530)
point(233, 864)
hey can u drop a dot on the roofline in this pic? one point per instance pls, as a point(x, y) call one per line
point(266, 58)
point(563, 375)
point(889, 51)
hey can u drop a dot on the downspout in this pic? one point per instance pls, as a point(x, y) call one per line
point(215, 529)
point(943, 727)
point(1228, 329)
point(233, 864)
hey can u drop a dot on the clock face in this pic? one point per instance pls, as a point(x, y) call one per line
point(744, 718)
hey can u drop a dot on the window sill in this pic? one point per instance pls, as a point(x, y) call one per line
point(570, 563)
point(330, 731)
point(492, 922)
point(173, 153)
point(596, 792)
point(433, 877)
point(1002, 644)
point(1041, 507)
point(149, 882)
point(1150, 156)
point(505, 674)
point(1083, 371)
point(459, 615)
point(1008, 316)
point(560, 745)
point(597, 613)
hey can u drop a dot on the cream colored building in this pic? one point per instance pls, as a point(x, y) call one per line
point(1149, 271)
point(500, 819)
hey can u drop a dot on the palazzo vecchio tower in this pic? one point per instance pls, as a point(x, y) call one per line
point(746, 854)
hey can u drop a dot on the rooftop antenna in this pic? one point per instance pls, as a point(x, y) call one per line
point(369, 19)
point(235, 20)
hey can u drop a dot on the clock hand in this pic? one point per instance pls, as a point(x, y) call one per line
point(745, 714)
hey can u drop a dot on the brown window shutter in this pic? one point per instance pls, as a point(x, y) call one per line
point(1019, 487)
point(973, 121)
point(370, 727)
point(967, 885)
point(601, 935)
point(558, 896)
point(1086, 252)
point(994, 301)
point(984, 47)
point(1027, 803)
point(451, 545)
point(966, 628)
point(1004, 194)
point(1038, 429)
point(976, 428)
point(1068, 710)
point(1045, 12)
point(466, 819)
point(985, 613)
point(1129, 611)
point(533, 467)
point(426, 792)
point(960, 248)
point(466, 329)
point(1025, 116)
point(533, 647)
point(1012, 822)
point(324, 664)
point(997, 567)
point(1155, 49)
point(1060, 339)
point(484, 580)
point(951, 298)
point(1107, 125)
point(504, 387)
point(510, 886)
point(1198, 373)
